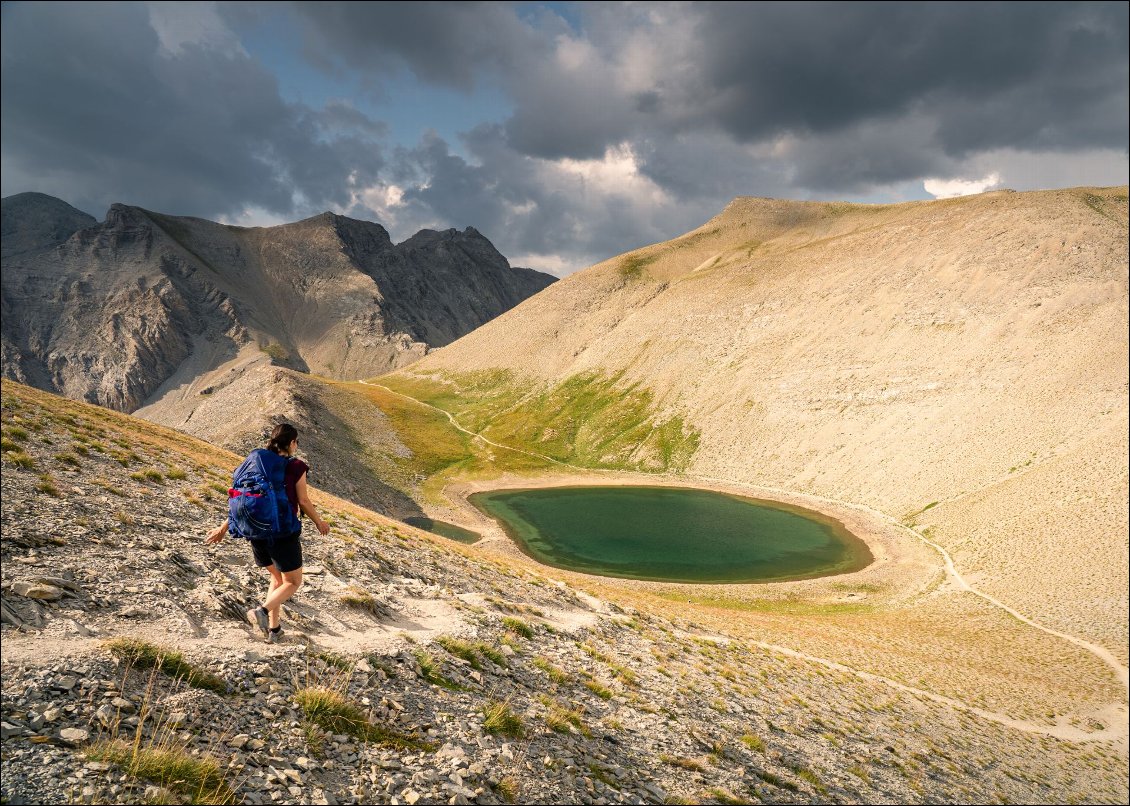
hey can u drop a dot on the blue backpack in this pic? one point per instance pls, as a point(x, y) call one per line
point(258, 507)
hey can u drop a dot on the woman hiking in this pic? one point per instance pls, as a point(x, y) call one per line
point(268, 490)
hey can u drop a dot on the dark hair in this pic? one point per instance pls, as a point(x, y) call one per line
point(281, 437)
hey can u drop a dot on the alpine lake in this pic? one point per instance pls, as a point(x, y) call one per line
point(673, 534)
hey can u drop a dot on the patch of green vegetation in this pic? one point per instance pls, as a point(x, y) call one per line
point(15, 432)
point(561, 719)
point(508, 789)
point(144, 655)
point(518, 626)
point(1098, 204)
point(335, 660)
point(358, 598)
point(276, 351)
point(176, 474)
point(683, 763)
point(599, 690)
point(808, 775)
point(47, 486)
point(727, 797)
point(315, 740)
point(631, 266)
point(472, 652)
point(197, 778)
point(498, 718)
point(556, 674)
point(909, 519)
point(68, 459)
point(753, 742)
point(774, 780)
point(591, 420)
point(328, 709)
point(19, 459)
point(149, 474)
point(430, 671)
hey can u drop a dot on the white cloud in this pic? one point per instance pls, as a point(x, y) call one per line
point(255, 217)
point(557, 265)
point(616, 174)
point(949, 188)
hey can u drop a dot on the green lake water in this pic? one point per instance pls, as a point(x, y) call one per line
point(673, 534)
point(448, 530)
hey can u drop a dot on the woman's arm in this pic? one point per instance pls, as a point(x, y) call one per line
point(307, 505)
point(217, 534)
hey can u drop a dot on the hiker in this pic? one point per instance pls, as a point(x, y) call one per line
point(268, 490)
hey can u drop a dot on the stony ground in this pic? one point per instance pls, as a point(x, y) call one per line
point(480, 681)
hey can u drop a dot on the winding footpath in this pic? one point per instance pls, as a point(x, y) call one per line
point(1117, 728)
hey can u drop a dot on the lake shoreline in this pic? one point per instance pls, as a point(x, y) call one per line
point(902, 567)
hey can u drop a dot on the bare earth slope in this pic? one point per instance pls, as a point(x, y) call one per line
point(960, 365)
point(479, 679)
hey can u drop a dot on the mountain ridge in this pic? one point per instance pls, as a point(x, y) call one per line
point(189, 295)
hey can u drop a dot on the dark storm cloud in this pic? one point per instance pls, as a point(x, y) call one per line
point(1012, 74)
point(444, 43)
point(95, 112)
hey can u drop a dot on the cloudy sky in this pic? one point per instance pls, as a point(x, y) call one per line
point(565, 132)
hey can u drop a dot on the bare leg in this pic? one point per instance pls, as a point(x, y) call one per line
point(276, 580)
point(291, 582)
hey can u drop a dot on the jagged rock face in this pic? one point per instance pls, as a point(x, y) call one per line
point(144, 305)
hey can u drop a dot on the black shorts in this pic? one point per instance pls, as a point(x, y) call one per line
point(284, 553)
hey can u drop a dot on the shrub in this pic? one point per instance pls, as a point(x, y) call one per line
point(68, 459)
point(176, 473)
point(47, 486)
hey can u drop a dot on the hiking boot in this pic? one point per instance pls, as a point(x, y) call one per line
point(274, 636)
point(257, 617)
